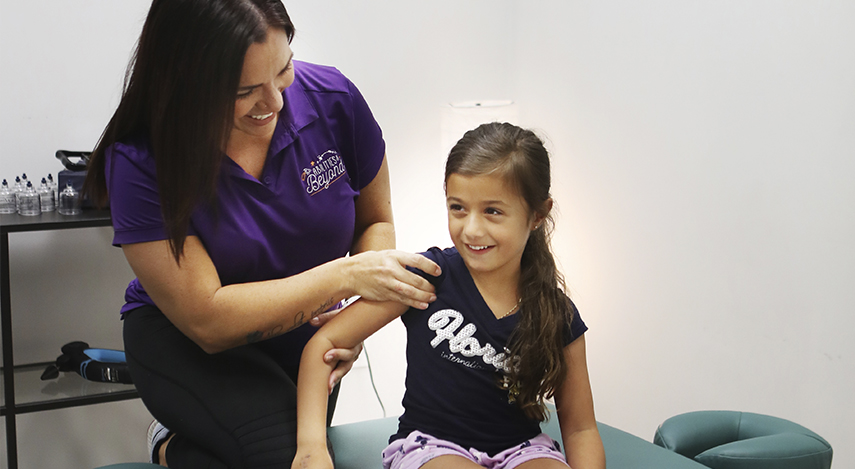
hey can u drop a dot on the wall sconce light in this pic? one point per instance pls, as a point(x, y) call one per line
point(459, 117)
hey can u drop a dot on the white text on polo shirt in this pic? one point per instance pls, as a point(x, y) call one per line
point(446, 322)
point(325, 170)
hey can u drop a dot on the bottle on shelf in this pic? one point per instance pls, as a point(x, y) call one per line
point(19, 188)
point(8, 199)
point(29, 202)
point(46, 197)
point(69, 201)
point(53, 187)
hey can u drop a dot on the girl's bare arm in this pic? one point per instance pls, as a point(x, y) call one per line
point(350, 327)
point(575, 403)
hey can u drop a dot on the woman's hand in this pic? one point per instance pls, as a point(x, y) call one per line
point(382, 276)
point(312, 458)
point(342, 360)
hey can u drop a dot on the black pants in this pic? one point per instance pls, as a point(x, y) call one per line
point(233, 409)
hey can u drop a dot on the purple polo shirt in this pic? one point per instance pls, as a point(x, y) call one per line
point(298, 215)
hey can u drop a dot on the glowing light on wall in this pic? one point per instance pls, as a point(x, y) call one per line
point(459, 117)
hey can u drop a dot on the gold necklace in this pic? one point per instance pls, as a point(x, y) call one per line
point(512, 309)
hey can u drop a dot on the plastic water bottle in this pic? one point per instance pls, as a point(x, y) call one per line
point(8, 199)
point(19, 188)
point(24, 182)
point(29, 203)
point(53, 187)
point(69, 201)
point(46, 197)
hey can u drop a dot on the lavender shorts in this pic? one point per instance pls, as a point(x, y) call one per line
point(418, 448)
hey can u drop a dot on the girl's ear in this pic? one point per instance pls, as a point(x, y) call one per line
point(541, 214)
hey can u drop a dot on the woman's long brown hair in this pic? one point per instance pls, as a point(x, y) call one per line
point(179, 95)
point(537, 367)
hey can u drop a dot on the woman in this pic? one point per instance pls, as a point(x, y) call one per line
point(238, 181)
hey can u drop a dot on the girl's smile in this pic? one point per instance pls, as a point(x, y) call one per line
point(489, 223)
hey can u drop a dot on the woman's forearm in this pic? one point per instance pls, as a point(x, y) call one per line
point(219, 317)
point(252, 312)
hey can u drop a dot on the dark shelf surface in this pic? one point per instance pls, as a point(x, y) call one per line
point(13, 222)
point(68, 390)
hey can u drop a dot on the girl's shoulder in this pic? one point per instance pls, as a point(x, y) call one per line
point(437, 254)
point(447, 259)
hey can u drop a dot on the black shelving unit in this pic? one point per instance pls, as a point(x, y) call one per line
point(34, 395)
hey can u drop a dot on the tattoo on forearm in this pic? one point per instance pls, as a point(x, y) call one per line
point(254, 337)
point(258, 336)
point(323, 307)
point(299, 320)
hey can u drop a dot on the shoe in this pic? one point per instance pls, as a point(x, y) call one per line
point(157, 434)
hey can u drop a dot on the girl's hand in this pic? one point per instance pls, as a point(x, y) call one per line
point(312, 458)
point(342, 359)
point(382, 276)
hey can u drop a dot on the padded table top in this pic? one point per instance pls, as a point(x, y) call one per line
point(358, 446)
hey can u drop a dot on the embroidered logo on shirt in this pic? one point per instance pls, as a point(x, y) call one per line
point(446, 323)
point(327, 168)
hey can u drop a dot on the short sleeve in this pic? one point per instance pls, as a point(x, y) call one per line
point(435, 255)
point(134, 198)
point(576, 327)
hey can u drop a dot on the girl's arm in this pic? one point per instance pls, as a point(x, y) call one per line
point(350, 327)
point(575, 404)
point(374, 230)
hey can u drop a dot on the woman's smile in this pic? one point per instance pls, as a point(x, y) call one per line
point(262, 119)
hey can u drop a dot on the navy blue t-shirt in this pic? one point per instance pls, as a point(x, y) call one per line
point(455, 350)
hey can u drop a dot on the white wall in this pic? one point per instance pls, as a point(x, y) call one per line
point(701, 152)
point(704, 165)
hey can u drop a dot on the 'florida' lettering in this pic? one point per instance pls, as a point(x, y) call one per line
point(446, 323)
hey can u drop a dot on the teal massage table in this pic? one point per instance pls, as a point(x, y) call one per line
point(358, 446)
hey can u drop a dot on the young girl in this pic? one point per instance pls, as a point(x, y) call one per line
point(501, 337)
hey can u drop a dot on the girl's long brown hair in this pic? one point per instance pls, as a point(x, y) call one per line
point(179, 94)
point(537, 367)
